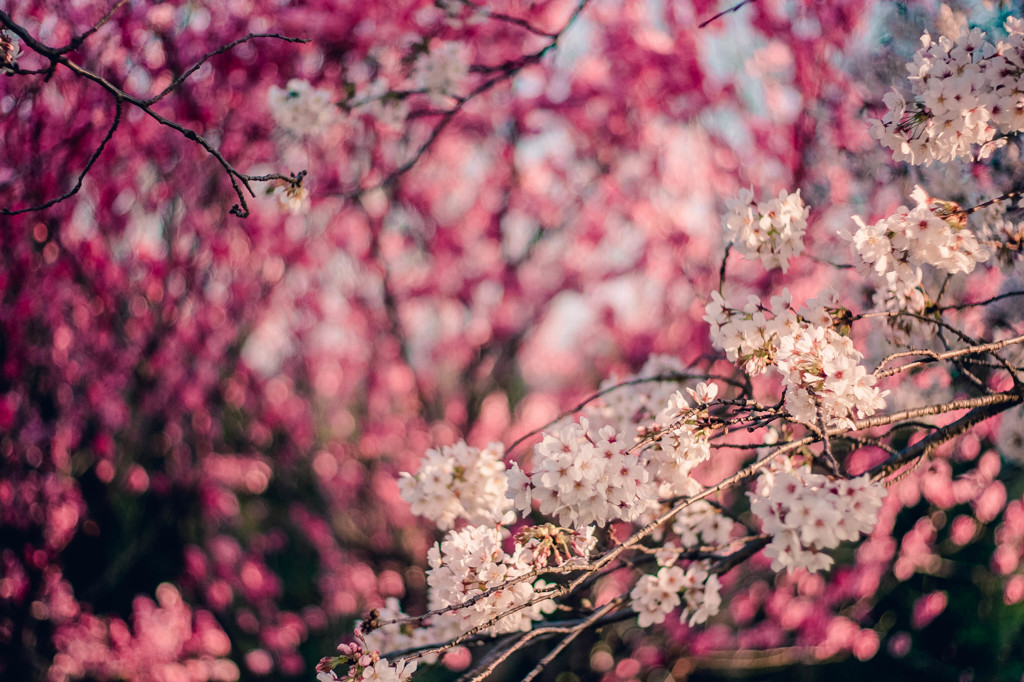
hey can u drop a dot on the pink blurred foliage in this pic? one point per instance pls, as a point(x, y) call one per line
point(164, 642)
point(193, 405)
point(928, 608)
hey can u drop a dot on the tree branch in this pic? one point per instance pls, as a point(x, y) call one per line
point(734, 8)
point(56, 56)
point(81, 176)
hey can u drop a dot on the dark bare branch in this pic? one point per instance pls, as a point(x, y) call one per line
point(81, 176)
point(734, 8)
point(240, 182)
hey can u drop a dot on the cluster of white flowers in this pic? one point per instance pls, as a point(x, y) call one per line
point(378, 103)
point(441, 69)
point(455, 14)
point(823, 376)
point(772, 230)
point(371, 84)
point(966, 89)
point(365, 665)
point(682, 442)
point(658, 409)
point(934, 232)
point(701, 524)
point(468, 563)
point(459, 482)
point(806, 513)
point(301, 109)
point(820, 368)
point(584, 477)
point(655, 595)
point(750, 335)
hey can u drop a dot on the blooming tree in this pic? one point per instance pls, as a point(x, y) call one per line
point(258, 257)
point(611, 506)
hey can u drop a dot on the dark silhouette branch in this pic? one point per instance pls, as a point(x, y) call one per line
point(77, 41)
point(734, 8)
point(56, 57)
point(81, 176)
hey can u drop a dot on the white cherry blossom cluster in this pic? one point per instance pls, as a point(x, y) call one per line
point(965, 90)
point(456, 14)
point(681, 442)
point(807, 513)
point(656, 595)
point(1000, 224)
point(10, 52)
point(301, 109)
point(932, 233)
point(823, 377)
point(468, 563)
point(659, 410)
point(465, 565)
point(702, 525)
point(458, 482)
point(772, 230)
point(372, 83)
point(441, 69)
point(582, 477)
point(750, 335)
point(820, 368)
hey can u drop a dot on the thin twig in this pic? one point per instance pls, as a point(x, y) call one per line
point(57, 56)
point(825, 441)
point(721, 14)
point(985, 204)
point(960, 306)
point(721, 271)
point(176, 83)
point(1010, 369)
point(516, 21)
point(937, 357)
point(81, 176)
point(77, 41)
point(567, 640)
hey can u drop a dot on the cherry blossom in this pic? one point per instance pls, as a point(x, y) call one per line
point(824, 378)
point(966, 91)
point(258, 258)
point(771, 230)
point(806, 513)
point(583, 478)
point(458, 482)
